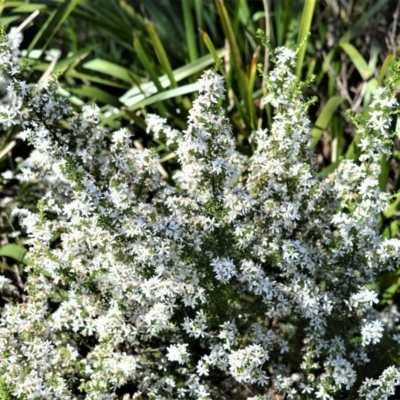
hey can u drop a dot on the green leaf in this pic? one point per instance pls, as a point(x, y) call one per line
point(329, 169)
point(5, 21)
point(358, 60)
point(151, 70)
point(66, 63)
point(391, 230)
point(252, 77)
point(109, 68)
point(15, 252)
point(241, 77)
point(144, 59)
point(247, 19)
point(324, 118)
point(199, 9)
point(209, 45)
point(384, 174)
point(304, 29)
point(62, 65)
point(385, 68)
point(390, 291)
point(73, 99)
point(372, 85)
point(189, 30)
point(229, 33)
point(29, 8)
point(325, 66)
point(168, 94)
point(161, 54)
point(390, 211)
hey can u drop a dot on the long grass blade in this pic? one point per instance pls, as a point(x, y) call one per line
point(324, 118)
point(168, 94)
point(162, 56)
point(229, 33)
point(148, 66)
point(385, 67)
point(189, 31)
point(109, 68)
point(385, 171)
point(198, 7)
point(358, 60)
point(304, 30)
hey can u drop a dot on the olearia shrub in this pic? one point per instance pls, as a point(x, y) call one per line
point(248, 277)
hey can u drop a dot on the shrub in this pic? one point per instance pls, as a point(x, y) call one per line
point(248, 277)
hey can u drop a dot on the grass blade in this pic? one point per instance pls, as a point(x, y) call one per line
point(358, 60)
point(227, 27)
point(109, 68)
point(162, 56)
point(168, 94)
point(304, 29)
point(390, 211)
point(198, 6)
point(209, 45)
point(144, 59)
point(189, 31)
point(324, 118)
point(385, 67)
point(385, 171)
point(242, 79)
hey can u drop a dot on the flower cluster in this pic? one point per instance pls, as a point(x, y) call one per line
point(247, 277)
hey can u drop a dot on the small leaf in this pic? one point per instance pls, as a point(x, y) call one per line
point(389, 212)
point(209, 45)
point(15, 252)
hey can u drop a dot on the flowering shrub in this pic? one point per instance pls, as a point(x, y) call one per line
point(248, 278)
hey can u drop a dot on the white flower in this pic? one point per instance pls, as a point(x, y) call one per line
point(224, 269)
point(244, 364)
point(121, 137)
point(178, 353)
point(240, 255)
point(372, 332)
